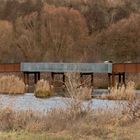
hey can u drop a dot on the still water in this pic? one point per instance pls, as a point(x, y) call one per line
point(29, 101)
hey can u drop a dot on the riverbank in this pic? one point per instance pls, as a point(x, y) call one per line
point(131, 132)
point(99, 131)
point(128, 132)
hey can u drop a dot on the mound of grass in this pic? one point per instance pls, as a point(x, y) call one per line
point(11, 85)
point(43, 89)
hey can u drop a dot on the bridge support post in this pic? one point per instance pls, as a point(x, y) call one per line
point(52, 78)
point(120, 79)
point(124, 78)
point(36, 77)
point(87, 74)
point(64, 78)
point(26, 78)
point(61, 73)
point(109, 80)
point(92, 79)
point(113, 79)
point(81, 78)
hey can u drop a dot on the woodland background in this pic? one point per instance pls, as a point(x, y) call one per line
point(69, 30)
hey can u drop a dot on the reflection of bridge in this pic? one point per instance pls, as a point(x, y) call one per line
point(112, 69)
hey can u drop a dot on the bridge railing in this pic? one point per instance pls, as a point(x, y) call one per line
point(15, 67)
point(126, 67)
point(67, 67)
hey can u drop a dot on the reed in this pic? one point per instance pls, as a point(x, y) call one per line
point(122, 92)
point(43, 89)
point(11, 85)
point(75, 89)
point(79, 121)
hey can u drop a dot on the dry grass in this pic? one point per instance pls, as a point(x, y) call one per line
point(122, 92)
point(43, 89)
point(75, 89)
point(11, 85)
point(77, 120)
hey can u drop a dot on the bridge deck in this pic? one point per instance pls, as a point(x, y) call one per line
point(72, 67)
point(113, 70)
point(126, 68)
point(67, 67)
point(15, 67)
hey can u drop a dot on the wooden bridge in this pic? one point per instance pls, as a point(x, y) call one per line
point(112, 69)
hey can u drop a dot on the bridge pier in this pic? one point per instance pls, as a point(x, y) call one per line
point(26, 77)
point(112, 79)
point(87, 74)
point(36, 77)
point(124, 82)
point(121, 79)
point(53, 74)
point(58, 73)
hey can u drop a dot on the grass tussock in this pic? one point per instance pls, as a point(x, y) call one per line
point(122, 92)
point(43, 89)
point(11, 85)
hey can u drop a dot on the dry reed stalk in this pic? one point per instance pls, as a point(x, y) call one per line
point(131, 112)
point(77, 93)
point(11, 85)
point(122, 92)
point(75, 89)
point(43, 89)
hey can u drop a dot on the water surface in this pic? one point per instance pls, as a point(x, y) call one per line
point(29, 101)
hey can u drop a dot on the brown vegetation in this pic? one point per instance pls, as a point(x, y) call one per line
point(120, 42)
point(123, 92)
point(43, 89)
point(100, 124)
point(67, 31)
point(75, 89)
point(11, 85)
